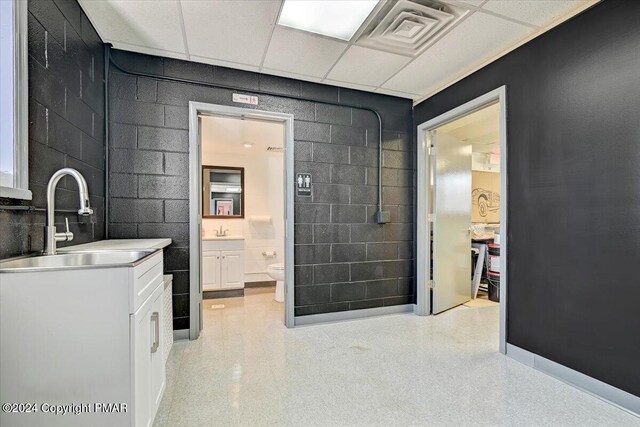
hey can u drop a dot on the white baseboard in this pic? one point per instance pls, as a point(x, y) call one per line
point(594, 387)
point(340, 316)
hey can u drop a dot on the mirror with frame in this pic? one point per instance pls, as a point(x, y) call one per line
point(222, 192)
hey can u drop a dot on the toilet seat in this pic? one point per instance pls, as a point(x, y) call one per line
point(277, 266)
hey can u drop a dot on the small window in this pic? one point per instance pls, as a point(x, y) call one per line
point(14, 172)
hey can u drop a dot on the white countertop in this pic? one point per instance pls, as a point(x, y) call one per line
point(223, 237)
point(120, 244)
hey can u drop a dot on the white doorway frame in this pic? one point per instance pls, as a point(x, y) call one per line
point(423, 254)
point(195, 205)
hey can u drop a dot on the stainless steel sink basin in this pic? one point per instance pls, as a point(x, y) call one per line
point(75, 260)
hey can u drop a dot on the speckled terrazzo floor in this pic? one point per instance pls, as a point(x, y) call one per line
point(247, 369)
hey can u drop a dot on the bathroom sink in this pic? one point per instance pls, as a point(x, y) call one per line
point(75, 260)
point(228, 237)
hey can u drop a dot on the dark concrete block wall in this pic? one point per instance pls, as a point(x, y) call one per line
point(344, 261)
point(66, 125)
point(574, 189)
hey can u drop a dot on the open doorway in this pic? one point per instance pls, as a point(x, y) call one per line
point(462, 209)
point(241, 195)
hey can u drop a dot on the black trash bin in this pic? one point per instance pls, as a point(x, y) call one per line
point(494, 286)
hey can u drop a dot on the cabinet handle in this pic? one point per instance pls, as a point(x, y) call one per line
point(155, 317)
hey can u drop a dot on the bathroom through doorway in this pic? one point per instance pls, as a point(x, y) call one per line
point(241, 197)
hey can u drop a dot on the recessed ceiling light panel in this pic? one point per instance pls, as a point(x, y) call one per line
point(339, 19)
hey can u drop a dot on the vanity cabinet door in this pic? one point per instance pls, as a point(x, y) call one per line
point(210, 270)
point(157, 367)
point(232, 266)
point(141, 337)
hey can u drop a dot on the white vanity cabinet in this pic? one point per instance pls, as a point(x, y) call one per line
point(148, 359)
point(84, 336)
point(211, 270)
point(222, 264)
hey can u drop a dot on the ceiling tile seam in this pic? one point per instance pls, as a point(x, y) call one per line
point(184, 29)
point(351, 42)
point(273, 29)
point(480, 8)
point(513, 47)
point(337, 60)
point(433, 43)
point(507, 18)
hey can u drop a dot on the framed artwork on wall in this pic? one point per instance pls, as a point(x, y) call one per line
point(223, 207)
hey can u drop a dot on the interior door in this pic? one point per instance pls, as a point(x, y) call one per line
point(452, 222)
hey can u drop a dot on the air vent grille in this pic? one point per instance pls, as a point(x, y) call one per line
point(407, 27)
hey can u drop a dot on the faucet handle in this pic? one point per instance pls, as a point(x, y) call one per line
point(67, 235)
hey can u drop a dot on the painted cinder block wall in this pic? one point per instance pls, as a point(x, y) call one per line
point(574, 189)
point(66, 126)
point(343, 260)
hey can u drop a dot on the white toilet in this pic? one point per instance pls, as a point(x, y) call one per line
point(276, 272)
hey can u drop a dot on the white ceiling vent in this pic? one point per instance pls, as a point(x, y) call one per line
point(407, 27)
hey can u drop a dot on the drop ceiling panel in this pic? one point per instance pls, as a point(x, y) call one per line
point(367, 66)
point(302, 53)
point(538, 12)
point(243, 34)
point(232, 31)
point(476, 39)
point(154, 25)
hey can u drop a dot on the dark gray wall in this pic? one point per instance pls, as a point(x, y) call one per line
point(343, 260)
point(574, 189)
point(66, 125)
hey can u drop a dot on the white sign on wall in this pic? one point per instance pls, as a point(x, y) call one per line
point(303, 184)
point(245, 99)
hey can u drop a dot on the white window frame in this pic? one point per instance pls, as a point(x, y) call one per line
point(20, 189)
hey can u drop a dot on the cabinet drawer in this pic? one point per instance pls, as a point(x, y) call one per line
point(146, 278)
point(222, 245)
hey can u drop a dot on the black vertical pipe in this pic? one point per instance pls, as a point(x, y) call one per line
point(107, 55)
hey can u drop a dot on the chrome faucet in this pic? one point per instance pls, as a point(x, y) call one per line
point(51, 237)
point(221, 232)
